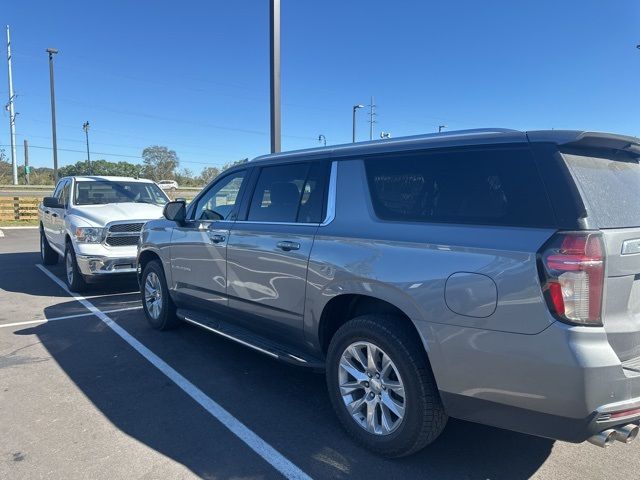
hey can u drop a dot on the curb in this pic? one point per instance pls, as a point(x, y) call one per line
point(30, 227)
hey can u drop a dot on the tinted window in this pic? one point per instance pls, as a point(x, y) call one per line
point(486, 187)
point(289, 193)
point(610, 183)
point(218, 202)
point(64, 195)
point(101, 192)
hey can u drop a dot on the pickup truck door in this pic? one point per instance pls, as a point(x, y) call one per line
point(268, 252)
point(50, 216)
point(199, 247)
point(57, 221)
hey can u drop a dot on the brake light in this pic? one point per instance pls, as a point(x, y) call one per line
point(572, 275)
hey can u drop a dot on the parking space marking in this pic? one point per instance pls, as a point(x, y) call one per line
point(77, 315)
point(246, 435)
point(1, 234)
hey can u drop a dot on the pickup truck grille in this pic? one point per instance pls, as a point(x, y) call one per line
point(123, 234)
point(122, 241)
point(126, 227)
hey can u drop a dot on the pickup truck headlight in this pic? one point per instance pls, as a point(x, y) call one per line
point(89, 234)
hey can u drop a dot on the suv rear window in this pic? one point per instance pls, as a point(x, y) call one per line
point(486, 187)
point(610, 184)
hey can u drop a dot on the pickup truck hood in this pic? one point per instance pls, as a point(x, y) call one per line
point(100, 215)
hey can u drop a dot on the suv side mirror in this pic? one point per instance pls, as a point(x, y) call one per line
point(51, 202)
point(175, 211)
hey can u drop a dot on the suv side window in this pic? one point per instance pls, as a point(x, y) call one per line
point(499, 186)
point(218, 202)
point(289, 193)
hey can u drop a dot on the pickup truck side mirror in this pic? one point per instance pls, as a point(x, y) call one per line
point(176, 211)
point(51, 202)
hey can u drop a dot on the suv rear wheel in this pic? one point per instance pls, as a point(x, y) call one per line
point(381, 386)
point(49, 255)
point(156, 302)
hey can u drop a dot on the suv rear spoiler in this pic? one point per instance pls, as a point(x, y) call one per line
point(575, 139)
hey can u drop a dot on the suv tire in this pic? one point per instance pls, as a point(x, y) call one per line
point(407, 373)
point(75, 279)
point(156, 302)
point(49, 255)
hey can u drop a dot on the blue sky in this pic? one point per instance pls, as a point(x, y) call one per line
point(193, 75)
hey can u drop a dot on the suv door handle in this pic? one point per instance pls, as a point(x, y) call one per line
point(288, 246)
point(216, 238)
point(54, 214)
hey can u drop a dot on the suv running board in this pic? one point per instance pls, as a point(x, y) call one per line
point(250, 339)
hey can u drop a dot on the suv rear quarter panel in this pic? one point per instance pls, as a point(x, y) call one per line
point(408, 265)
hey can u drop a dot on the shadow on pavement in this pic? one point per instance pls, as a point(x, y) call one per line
point(286, 406)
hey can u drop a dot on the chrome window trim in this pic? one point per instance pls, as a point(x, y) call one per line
point(331, 196)
point(331, 205)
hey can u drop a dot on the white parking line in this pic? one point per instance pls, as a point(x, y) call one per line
point(54, 319)
point(253, 441)
point(1, 234)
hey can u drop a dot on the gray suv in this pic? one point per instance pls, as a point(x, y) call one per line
point(487, 275)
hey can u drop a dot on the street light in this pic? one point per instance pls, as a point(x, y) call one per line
point(355, 107)
point(322, 138)
point(52, 52)
point(85, 127)
point(440, 127)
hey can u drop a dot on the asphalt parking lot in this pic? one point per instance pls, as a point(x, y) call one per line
point(88, 390)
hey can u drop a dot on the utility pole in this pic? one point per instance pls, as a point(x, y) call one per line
point(441, 127)
point(27, 168)
point(353, 122)
point(372, 117)
point(52, 52)
point(322, 138)
point(85, 127)
point(274, 14)
point(12, 113)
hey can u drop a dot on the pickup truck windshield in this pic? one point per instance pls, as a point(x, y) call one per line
point(103, 192)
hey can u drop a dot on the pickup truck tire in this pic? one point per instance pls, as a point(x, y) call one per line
point(48, 254)
point(75, 279)
point(381, 386)
point(156, 302)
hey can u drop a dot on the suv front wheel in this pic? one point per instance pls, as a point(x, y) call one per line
point(381, 386)
point(156, 302)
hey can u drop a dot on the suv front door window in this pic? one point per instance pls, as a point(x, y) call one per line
point(199, 247)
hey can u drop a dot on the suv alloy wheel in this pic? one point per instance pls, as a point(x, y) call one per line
point(381, 386)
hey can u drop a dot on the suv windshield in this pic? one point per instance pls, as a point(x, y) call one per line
point(102, 192)
point(610, 184)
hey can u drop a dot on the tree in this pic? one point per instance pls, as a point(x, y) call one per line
point(208, 174)
point(233, 164)
point(101, 167)
point(160, 163)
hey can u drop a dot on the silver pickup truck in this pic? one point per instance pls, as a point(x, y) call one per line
point(94, 223)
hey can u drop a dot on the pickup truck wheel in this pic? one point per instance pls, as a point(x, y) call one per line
point(156, 302)
point(381, 386)
point(48, 254)
point(75, 280)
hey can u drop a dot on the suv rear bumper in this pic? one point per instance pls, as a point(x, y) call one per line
point(563, 383)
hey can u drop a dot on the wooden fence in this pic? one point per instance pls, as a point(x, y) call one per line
point(19, 208)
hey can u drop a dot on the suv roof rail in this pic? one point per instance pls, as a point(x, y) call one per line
point(425, 136)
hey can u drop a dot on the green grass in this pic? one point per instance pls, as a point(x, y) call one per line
point(19, 223)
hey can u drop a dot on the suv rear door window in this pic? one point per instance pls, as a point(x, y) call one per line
point(289, 193)
point(610, 183)
point(476, 186)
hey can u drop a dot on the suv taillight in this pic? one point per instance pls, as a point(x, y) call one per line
point(572, 276)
